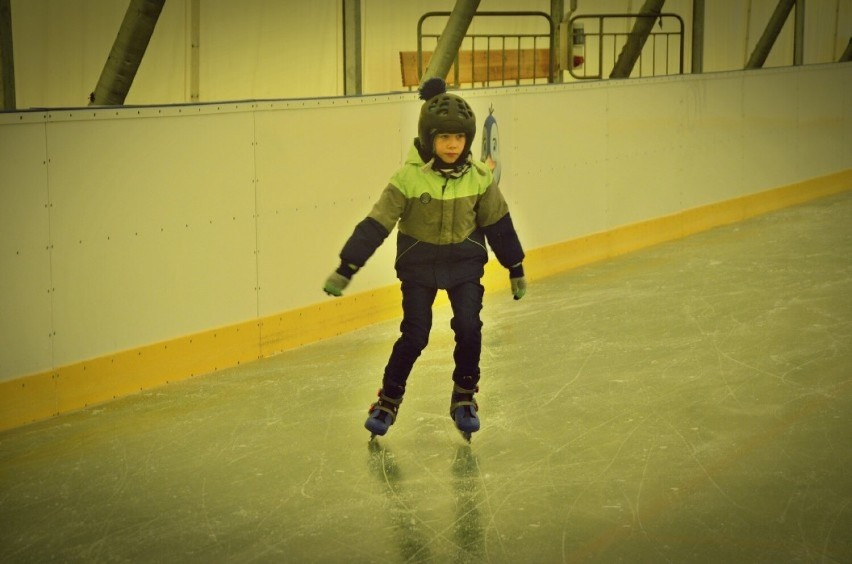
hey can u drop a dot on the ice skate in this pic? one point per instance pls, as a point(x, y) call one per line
point(463, 410)
point(382, 415)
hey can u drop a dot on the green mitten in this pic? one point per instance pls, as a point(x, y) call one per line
point(339, 279)
point(519, 287)
point(335, 284)
point(518, 280)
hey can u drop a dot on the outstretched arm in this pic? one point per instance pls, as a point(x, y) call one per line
point(368, 235)
point(494, 220)
point(504, 241)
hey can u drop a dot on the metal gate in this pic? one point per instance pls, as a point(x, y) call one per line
point(596, 39)
point(497, 58)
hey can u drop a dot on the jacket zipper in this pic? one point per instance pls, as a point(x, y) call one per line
point(443, 203)
point(478, 243)
point(405, 251)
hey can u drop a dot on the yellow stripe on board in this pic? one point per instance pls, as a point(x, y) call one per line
point(40, 396)
point(331, 318)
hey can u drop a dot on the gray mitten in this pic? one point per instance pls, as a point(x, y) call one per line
point(519, 287)
point(339, 279)
point(335, 284)
point(518, 280)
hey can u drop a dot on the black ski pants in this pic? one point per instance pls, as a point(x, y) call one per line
point(417, 301)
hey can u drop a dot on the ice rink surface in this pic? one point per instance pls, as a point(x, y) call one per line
point(690, 402)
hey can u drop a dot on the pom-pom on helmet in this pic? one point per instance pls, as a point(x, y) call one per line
point(443, 113)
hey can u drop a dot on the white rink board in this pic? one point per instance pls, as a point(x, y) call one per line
point(320, 166)
point(165, 221)
point(153, 229)
point(25, 286)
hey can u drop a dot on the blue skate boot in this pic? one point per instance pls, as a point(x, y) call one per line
point(463, 410)
point(382, 415)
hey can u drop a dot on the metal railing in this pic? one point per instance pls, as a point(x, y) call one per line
point(498, 57)
point(590, 45)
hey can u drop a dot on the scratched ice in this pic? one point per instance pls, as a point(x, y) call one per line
point(690, 402)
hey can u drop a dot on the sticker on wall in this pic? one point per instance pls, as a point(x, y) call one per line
point(491, 144)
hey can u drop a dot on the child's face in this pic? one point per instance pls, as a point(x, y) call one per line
point(448, 146)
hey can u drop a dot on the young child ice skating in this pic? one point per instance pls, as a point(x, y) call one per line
point(445, 206)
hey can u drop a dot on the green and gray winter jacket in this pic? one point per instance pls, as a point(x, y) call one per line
point(443, 223)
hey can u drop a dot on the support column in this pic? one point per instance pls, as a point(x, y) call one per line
point(127, 52)
point(352, 48)
point(847, 53)
point(7, 58)
point(799, 34)
point(557, 10)
point(770, 34)
point(632, 50)
point(697, 36)
point(448, 45)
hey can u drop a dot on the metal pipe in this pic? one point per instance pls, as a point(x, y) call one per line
point(632, 49)
point(557, 7)
point(697, 36)
point(451, 39)
point(847, 53)
point(7, 58)
point(770, 34)
point(799, 34)
point(127, 52)
point(352, 47)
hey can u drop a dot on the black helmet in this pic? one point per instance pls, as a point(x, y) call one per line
point(443, 113)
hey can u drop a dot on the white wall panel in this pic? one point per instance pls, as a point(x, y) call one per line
point(152, 227)
point(712, 140)
point(554, 155)
point(25, 298)
point(580, 187)
point(321, 167)
point(769, 127)
point(644, 125)
point(819, 139)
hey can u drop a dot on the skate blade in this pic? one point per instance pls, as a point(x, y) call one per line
point(466, 435)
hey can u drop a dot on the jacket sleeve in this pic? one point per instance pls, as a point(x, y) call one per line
point(496, 223)
point(503, 240)
point(369, 234)
point(372, 231)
